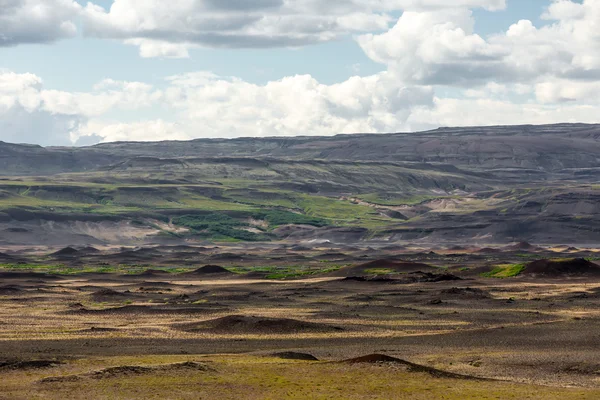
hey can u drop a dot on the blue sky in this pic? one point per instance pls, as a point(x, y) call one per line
point(408, 82)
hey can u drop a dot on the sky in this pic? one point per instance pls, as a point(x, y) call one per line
point(79, 72)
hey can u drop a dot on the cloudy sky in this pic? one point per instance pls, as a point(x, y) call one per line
point(78, 72)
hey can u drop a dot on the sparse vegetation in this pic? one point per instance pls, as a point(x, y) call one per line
point(276, 218)
point(380, 271)
point(286, 272)
point(505, 271)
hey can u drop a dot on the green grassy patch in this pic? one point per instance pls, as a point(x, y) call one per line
point(505, 271)
point(60, 269)
point(380, 271)
point(218, 226)
point(277, 218)
point(286, 272)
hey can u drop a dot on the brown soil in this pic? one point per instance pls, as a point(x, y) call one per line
point(465, 293)
point(146, 310)
point(24, 365)
point(10, 290)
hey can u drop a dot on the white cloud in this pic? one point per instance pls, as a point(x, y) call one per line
point(486, 112)
point(206, 105)
point(29, 113)
point(154, 130)
point(37, 21)
point(169, 29)
point(434, 47)
point(22, 115)
point(157, 48)
point(105, 96)
point(439, 47)
point(563, 90)
point(296, 105)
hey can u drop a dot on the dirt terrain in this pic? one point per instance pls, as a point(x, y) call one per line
point(516, 321)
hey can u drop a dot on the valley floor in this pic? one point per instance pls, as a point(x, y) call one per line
point(428, 332)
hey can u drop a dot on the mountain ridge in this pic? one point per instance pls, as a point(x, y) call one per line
point(496, 184)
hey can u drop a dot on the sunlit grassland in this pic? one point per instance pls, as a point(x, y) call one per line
point(252, 378)
point(505, 271)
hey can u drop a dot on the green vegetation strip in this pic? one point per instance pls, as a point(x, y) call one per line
point(66, 270)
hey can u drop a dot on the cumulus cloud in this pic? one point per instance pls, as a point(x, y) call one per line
point(439, 47)
point(105, 96)
point(96, 131)
point(37, 21)
point(29, 113)
point(169, 29)
point(203, 104)
point(22, 116)
point(490, 111)
point(296, 105)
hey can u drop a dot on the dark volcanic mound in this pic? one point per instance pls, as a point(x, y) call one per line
point(411, 367)
point(562, 268)
point(109, 293)
point(522, 246)
point(153, 272)
point(373, 359)
point(254, 324)
point(210, 270)
point(393, 265)
point(67, 251)
point(291, 355)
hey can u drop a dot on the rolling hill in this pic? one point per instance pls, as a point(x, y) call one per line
point(489, 184)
